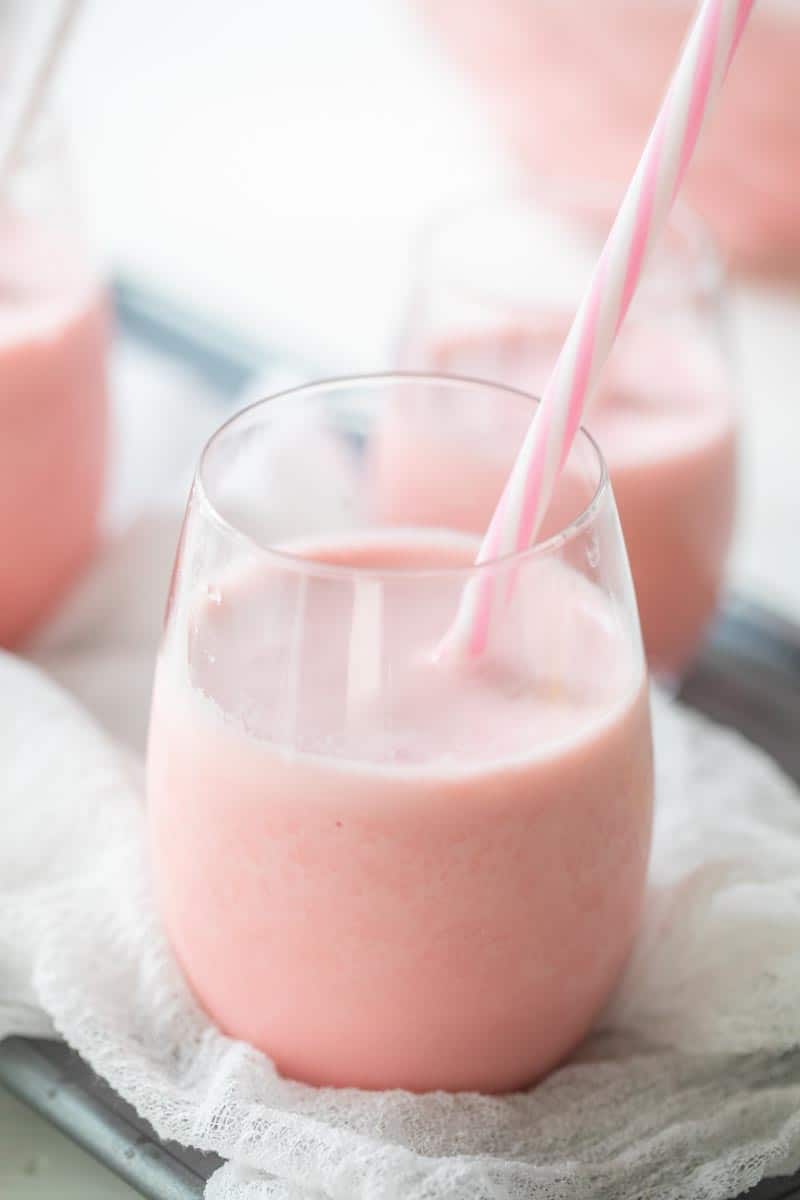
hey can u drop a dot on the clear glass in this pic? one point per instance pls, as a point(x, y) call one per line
point(54, 335)
point(384, 867)
point(497, 286)
point(572, 88)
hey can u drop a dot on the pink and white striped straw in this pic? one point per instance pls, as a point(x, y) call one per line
point(701, 69)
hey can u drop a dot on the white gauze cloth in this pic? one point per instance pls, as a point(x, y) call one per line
point(689, 1088)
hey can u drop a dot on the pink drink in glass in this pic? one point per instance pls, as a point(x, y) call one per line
point(54, 335)
point(494, 300)
point(53, 421)
point(381, 869)
point(665, 420)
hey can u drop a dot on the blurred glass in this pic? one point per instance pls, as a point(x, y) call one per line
point(574, 86)
point(54, 333)
point(497, 286)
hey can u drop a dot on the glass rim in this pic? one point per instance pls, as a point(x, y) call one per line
point(706, 270)
point(310, 566)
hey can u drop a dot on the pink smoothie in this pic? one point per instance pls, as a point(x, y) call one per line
point(665, 421)
point(53, 422)
point(386, 872)
point(575, 86)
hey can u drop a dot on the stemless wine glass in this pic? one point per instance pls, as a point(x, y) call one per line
point(498, 284)
point(383, 866)
point(53, 388)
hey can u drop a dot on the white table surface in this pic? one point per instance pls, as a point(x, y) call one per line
point(270, 162)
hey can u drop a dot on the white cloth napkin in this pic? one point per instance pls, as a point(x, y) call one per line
point(690, 1086)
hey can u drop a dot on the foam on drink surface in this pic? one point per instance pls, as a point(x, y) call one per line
point(311, 664)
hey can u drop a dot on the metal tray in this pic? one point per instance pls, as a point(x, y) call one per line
point(748, 677)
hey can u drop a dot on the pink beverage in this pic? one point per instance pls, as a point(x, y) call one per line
point(574, 88)
point(53, 411)
point(385, 868)
point(665, 419)
point(446, 907)
point(497, 287)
